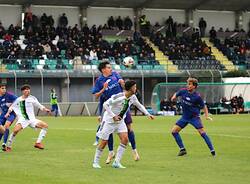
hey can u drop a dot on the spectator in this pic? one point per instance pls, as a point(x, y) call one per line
point(240, 102)
point(119, 23)
point(169, 27)
point(63, 21)
point(128, 23)
point(143, 25)
point(212, 33)
point(51, 21)
point(234, 104)
point(93, 55)
point(164, 105)
point(202, 26)
point(111, 22)
point(44, 20)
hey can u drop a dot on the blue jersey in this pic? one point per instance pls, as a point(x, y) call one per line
point(113, 88)
point(5, 102)
point(191, 103)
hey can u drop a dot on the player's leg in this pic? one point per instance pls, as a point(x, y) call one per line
point(96, 137)
point(98, 153)
point(131, 135)
point(123, 135)
point(44, 128)
point(180, 124)
point(56, 110)
point(18, 127)
point(99, 119)
point(7, 125)
point(111, 154)
point(2, 129)
point(52, 108)
point(103, 134)
point(196, 122)
point(6, 134)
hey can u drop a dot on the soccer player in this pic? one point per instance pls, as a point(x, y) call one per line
point(24, 109)
point(108, 84)
point(191, 103)
point(6, 99)
point(53, 101)
point(113, 121)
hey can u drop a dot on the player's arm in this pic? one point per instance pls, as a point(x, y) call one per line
point(13, 105)
point(106, 106)
point(40, 106)
point(99, 93)
point(120, 80)
point(142, 108)
point(177, 94)
point(173, 98)
point(205, 109)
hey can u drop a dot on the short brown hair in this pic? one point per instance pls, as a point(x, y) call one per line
point(25, 86)
point(194, 81)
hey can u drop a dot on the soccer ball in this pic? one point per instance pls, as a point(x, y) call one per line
point(128, 61)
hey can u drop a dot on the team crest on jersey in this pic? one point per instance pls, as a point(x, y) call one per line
point(187, 98)
point(3, 99)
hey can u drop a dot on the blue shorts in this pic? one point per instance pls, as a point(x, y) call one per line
point(54, 107)
point(196, 122)
point(128, 118)
point(11, 119)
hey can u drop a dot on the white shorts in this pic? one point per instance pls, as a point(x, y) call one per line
point(108, 128)
point(24, 123)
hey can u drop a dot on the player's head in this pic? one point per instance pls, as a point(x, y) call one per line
point(25, 90)
point(130, 86)
point(53, 90)
point(105, 68)
point(2, 88)
point(192, 83)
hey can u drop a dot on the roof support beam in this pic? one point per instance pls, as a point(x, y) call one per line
point(198, 4)
point(144, 4)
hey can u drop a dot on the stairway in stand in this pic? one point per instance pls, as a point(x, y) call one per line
point(163, 59)
point(220, 56)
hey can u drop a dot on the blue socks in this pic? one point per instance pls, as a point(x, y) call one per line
point(131, 137)
point(208, 141)
point(178, 139)
point(111, 142)
point(6, 135)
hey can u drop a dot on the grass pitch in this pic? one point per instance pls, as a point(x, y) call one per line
point(68, 154)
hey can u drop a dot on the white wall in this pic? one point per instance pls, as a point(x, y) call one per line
point(159, 15)
point(224, 19)
point(246, 19)
point(10, 14)
point(99, 16)
point(56, 11)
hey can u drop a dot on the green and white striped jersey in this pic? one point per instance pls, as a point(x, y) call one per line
point(24, 108)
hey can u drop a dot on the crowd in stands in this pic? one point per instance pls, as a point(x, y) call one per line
point(237, 49)
point(43, 40)
point(234, 105)
point(182, 48)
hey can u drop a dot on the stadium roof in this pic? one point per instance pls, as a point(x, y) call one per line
point(223, 5)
